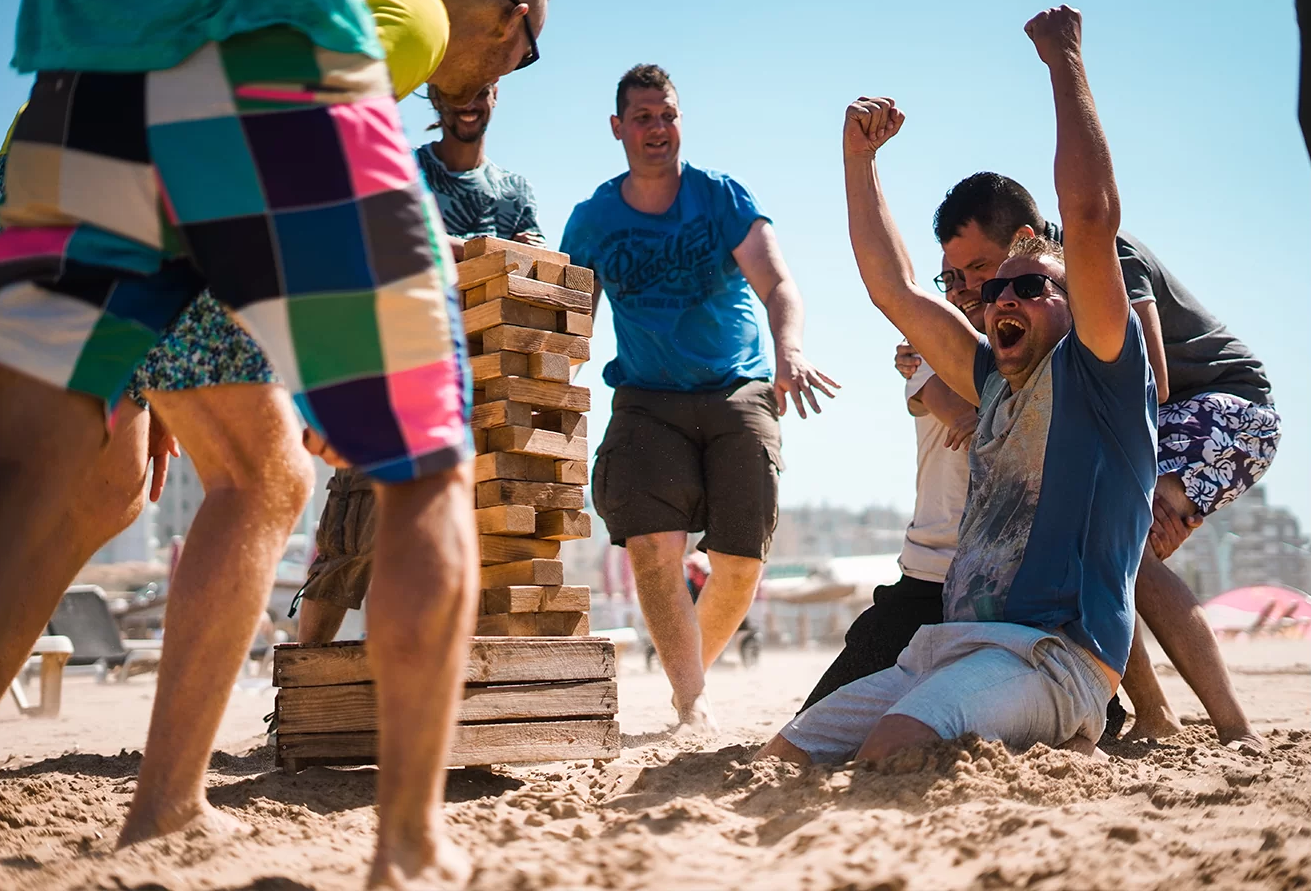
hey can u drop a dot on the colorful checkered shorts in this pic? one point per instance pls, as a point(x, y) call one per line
point(273, 172)
point(1219, 445)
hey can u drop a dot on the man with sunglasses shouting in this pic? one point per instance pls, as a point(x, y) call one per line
point(1039, 598)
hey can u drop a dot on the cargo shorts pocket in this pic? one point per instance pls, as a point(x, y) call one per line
point(610, 486)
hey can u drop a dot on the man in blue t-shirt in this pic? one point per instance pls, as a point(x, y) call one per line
point(1038, 601)
point(693, 443)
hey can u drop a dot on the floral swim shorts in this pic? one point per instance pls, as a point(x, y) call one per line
point(1218, 444)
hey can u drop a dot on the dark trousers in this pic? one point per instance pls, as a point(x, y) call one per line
point(877, 637)
point(1304, 86)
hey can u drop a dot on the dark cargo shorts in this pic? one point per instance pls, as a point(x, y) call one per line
point(343, 566)
point(692, 462)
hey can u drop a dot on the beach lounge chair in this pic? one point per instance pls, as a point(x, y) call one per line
point(83, 617)
point(53, 651)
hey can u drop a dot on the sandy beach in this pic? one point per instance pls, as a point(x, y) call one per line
point(677, 813)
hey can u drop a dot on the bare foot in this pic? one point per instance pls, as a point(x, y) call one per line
point(203, 818)
point(445, 868)
point(1245, 741)
point(696, 719)
point(1153, 724)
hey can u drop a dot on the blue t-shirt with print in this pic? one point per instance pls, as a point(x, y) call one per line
point(1060, 498)
point(684, 316)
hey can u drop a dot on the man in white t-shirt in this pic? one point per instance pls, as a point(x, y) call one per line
point(944, 425)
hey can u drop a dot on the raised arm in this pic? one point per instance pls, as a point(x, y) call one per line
point(939, 331)
point(1085, 189)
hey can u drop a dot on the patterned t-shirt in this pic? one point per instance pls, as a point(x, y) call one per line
point(487, 200)
point(1060, 500)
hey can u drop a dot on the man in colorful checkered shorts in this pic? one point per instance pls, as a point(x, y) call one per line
point(254, 149)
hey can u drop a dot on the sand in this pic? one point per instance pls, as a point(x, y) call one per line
point(675, 813)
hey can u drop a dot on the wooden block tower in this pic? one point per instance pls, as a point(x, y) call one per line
point(528, 318)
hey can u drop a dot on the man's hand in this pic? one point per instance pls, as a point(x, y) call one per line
point(797, 376)
point(961, 430)
point(457, 247)
point(907, 360)
point(1056, 32)
point(1169, 530)
point(532, 238)
point(159, 445)
point(870, 123)
point(317, 445)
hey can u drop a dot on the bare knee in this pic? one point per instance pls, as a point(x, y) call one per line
point(894, 733)
point(738, 571)
point(780, 748)
point(1170, 489)
point(656, 552)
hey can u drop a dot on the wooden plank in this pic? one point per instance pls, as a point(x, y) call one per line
point(507, 625)
point(493, 289)
point(551, 273)
point(575, 323)
point(505, 549)
point(510, 312)
point(572, 472)
point(579, 278)
point(472, 744)
point(354, 707)
point(510, 466)
point(563, 624)
point(570, 423)
point(524, 572)
point(536, 599)
point(563, 525)
point(479, 441)
point(542, 394)
point(548, 296)
point(476, 270)
point(499, 364)
point(540, 496)
point(485, 244)
point(500, 414)
point(506, 519)
point(531, 340)
point(490, 662)
point(531, 441)
point(548, 367)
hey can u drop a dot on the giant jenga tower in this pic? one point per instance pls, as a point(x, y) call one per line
point(528, 319)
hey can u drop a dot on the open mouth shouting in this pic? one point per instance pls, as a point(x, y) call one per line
point(1009, 331)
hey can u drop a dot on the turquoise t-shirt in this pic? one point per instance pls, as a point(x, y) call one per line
point(152, 35)
point(684, 316)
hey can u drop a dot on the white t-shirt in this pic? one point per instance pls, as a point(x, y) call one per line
point(942, 478)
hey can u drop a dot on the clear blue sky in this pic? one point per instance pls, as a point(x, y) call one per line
point(1198, 103)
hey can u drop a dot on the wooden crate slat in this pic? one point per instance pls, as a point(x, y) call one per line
point(473, 744)
point(354, 707)
point(486, 244)
point(542, 394)
point(531, 340)
point(536, 599)
point(522, 660)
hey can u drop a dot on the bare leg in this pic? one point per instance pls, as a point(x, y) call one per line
point(1152, 716)
point(423, 600)
point(319, 621)
point(49, 440)
point(780, 748)
point(245, 443)
point(671, 620)
point(892, 734)
point(724, 601)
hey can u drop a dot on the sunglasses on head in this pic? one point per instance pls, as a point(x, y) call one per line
point(946, 280)
point(1029, 286)
point(532, 55)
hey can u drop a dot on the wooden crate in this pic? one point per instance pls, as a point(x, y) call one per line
point(526, 699)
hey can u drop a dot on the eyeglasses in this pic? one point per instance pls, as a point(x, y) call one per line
point(532, 55)
point(946, 280)
point(1029, 286)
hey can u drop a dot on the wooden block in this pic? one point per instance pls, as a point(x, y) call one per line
point(544, 443)
point(501, 549)
point(549, 296)
point(563, 624)
point(506, 519)
point(551, 273)
point(532, 340)
point(479, 441)
point(574, 323)
point(485, 244)
point(500, 414)
point(490, 662)
point(500, 364)
point(548, 367)
point(524, 572)
point(476, 270)
point(570, 423)
point(509, 466)
point(540, 496)
point(492, 289)
point(507, 625)
point(471, 744)
point(572, 472)
point(537, 599)
point(480, 395)
point(563, 525)
point(510, 312)
point(579, 278)
point(542, 394)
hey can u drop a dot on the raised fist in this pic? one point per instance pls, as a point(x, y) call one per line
point(869, 124)
point(1055, 31)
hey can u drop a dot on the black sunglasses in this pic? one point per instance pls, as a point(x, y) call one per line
point(945, 280)
point(532, 55)
point(1027, 287)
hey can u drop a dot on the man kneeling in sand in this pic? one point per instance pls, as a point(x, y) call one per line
point(1038, 601)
